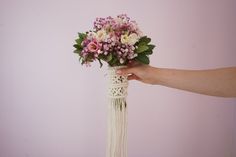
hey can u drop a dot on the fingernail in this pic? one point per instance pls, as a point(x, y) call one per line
point(118, 71)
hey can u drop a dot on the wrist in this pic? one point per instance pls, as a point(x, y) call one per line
point(155, 76)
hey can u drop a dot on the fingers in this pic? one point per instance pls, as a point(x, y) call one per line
point(131, 69)
point(124, 71)
point(133, 77)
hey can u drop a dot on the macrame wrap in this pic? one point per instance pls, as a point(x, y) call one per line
point(117, 114)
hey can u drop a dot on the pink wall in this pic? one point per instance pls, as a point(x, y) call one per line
point(50, 106)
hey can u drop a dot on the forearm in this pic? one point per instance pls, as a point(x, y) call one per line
point(216, 82)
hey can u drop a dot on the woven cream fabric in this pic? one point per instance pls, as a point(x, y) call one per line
point(117, 83)
point(117, 114)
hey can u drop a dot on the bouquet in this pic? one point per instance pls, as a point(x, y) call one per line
point(116, 41)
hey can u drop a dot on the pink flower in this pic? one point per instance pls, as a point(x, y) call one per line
point(93, 46)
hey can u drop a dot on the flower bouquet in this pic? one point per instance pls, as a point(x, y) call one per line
point(116, 41)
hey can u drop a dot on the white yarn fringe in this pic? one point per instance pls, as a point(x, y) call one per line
point(117, 114)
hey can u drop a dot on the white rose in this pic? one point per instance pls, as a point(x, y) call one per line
point(124, 39)
point(133, 38)
point(101, 35)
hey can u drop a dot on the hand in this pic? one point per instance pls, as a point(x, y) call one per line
point(140, 72)
point(215, 82)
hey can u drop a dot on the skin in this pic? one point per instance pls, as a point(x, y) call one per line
point(215, 82)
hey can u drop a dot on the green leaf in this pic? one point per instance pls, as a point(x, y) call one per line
point(142, 48)
point(145, 39)
point(102, 57)
point(143, 59)
point(151, 47)
point(77, 51)
point(79, 41)
point(109, 57)
point(82, 36)
point(100, 62)
point(142, 44)
point(105, 58)
point(148, 52)
point(113, 61)
point(77, 47)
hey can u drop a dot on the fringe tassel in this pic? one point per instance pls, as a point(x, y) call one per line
point(117, 128)
point(117, 114)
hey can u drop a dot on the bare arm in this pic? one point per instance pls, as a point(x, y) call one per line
point(216, 82)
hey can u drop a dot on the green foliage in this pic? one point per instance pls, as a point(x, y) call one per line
point(144, 39)
point(142, 58)
point(144, 49)
point(99, 60)
point(77, 51)
point(82, 35)
point(79, 40)
point(78, 47)
point(106, 58)
point(114, 61)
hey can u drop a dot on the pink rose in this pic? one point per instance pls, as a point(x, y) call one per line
point(93, 46)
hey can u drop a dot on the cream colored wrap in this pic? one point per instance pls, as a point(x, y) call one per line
point(117, 114)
